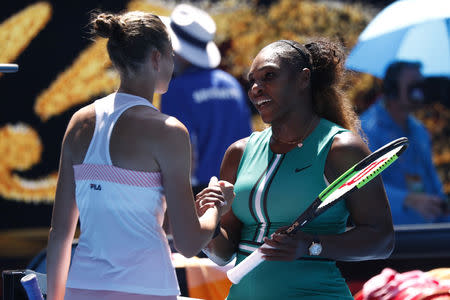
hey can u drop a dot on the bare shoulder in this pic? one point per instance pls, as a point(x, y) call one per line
point(348, 144)
point(79, 133)
point(83, 118)
point(231, 160)
point(85, 113)
point(81, 125)
point(170, 129)
point(347, 149)
point(153, 125)
point(235, 151)
point(166, 135)
point(238, 147)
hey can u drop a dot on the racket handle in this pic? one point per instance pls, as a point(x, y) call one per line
point(30, 284)
point(249, 263)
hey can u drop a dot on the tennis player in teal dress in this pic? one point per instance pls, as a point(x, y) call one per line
point(313, 138)
point(263, 179)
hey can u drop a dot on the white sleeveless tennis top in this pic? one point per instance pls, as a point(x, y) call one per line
point(122, 246)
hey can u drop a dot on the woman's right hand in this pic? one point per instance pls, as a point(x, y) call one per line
point(286, 247)
point(218, 194)
point(429, 206)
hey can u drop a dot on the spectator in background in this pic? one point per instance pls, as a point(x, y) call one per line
point(412, 185)
point(208, 101)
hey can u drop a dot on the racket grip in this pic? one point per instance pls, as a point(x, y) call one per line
point(30, 284)
point(249, 263)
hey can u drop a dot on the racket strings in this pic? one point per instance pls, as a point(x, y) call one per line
point(377, 171)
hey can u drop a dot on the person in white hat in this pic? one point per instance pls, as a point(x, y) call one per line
point(207, 100)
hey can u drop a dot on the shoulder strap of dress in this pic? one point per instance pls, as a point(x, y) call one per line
point(256, 139)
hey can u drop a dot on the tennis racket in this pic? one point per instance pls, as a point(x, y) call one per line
point(353, 179)
point(9, 68)
point(31, 286)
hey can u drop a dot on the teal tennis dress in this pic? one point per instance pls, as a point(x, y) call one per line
point(272, 190)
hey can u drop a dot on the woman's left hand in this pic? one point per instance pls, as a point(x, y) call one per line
point(286, 247)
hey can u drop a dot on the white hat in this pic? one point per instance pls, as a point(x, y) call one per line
point(192, 32)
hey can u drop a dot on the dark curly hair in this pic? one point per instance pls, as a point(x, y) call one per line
point(325, 59)
point(131, 36)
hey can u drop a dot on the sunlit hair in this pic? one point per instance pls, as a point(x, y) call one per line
point(131, 36)
point(325, 59)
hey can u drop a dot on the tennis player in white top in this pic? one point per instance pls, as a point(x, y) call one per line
point(122, 164)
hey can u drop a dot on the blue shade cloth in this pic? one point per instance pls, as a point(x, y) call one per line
point(213, 107)
point(413, 172)
point(408, 30)
point(429, 44)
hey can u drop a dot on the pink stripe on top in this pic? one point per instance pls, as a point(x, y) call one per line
point(117, 175)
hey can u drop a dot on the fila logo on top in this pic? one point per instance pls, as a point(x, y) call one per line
point(96, 187)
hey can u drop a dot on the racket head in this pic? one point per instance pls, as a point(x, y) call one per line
point(361, 173)
point(399, 146)
point(353, 179)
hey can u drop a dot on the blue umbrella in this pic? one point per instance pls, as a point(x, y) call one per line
point(412, 30)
